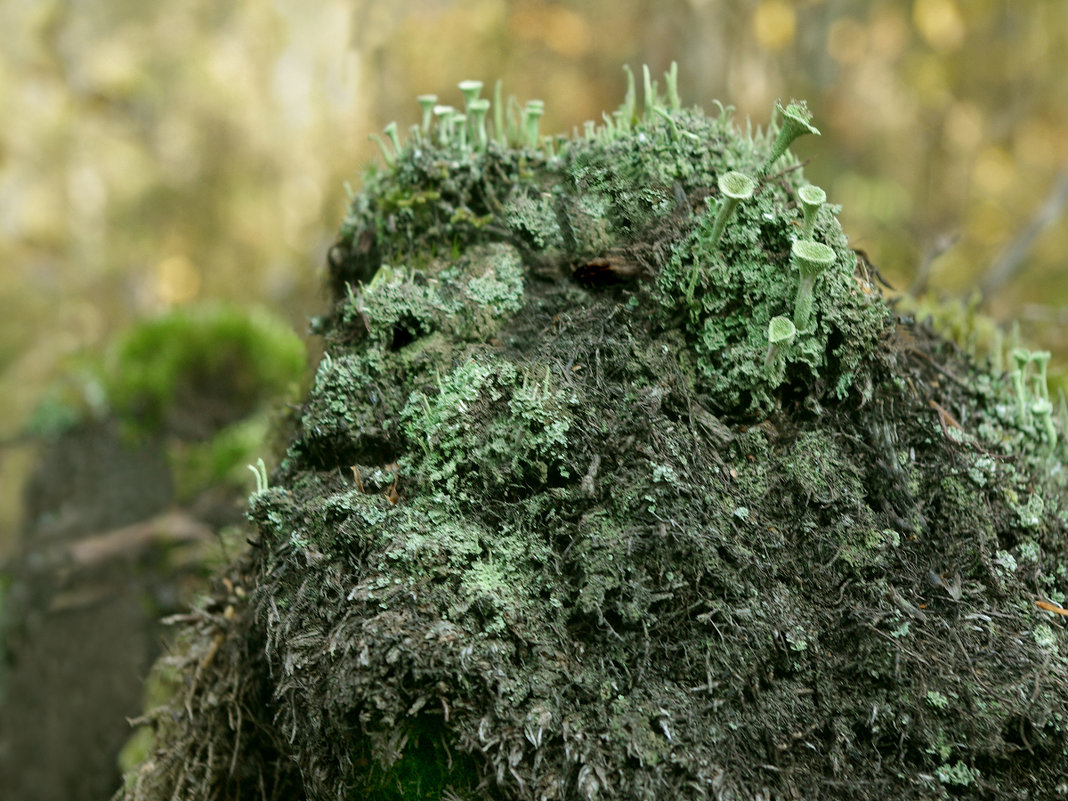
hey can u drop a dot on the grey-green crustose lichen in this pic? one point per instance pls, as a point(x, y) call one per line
point(659, 175)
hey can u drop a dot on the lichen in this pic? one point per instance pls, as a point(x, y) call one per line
point(549, 505)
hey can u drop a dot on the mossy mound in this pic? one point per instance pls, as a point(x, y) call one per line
point(195, 370)
point(132, 504)
point(202, 379)
point(554, 524)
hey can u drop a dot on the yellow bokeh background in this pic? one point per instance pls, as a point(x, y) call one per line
point(158, 154)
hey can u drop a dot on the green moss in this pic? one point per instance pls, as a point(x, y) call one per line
point(189, 355)
point(542, 487)
point(204, 379)
point(426, 769)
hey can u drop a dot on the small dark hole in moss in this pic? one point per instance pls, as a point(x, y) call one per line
point(1020, 732)
point(402, 335)
point(600, 272)
point(430, 768)
point(330, 452)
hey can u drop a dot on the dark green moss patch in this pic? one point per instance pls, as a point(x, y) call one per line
point(548, 514)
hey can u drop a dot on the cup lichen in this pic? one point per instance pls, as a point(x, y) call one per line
point(1040, 358)
point(444, 114)
point(793, 122)
point(812, 199)
point(734, 187)
point(531, 114)
point(477, 111)
point(458, 121)
point(470, 90)
point(781, 334)
point(426, 104)
point(1042, 409)
point(812, 259)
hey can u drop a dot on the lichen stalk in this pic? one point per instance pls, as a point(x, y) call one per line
point(531, 115)
point(794, 122)
point(649, 91)
point(811, 258)
point(1041, 360)
point(427, 103)
point(811, 199)
point(671, 78)
point(444, 115)
point(477, 113)
point(630, 99)
point(499, 130)
point(734, 187)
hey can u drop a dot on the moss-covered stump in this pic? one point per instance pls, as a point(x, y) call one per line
point(620, 480)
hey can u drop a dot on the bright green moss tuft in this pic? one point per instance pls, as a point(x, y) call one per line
point(183, 357)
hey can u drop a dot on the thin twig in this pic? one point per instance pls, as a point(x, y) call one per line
point(935, 248)
point(1012, 258)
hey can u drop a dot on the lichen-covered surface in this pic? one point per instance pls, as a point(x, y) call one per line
point(551, 525)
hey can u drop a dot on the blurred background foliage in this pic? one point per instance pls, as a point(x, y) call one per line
point(155, 155)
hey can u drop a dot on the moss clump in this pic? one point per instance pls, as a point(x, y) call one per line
point(548, 504)
point(169, 372)
point(203, 380)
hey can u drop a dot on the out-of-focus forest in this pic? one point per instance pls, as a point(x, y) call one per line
point(158, 154)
